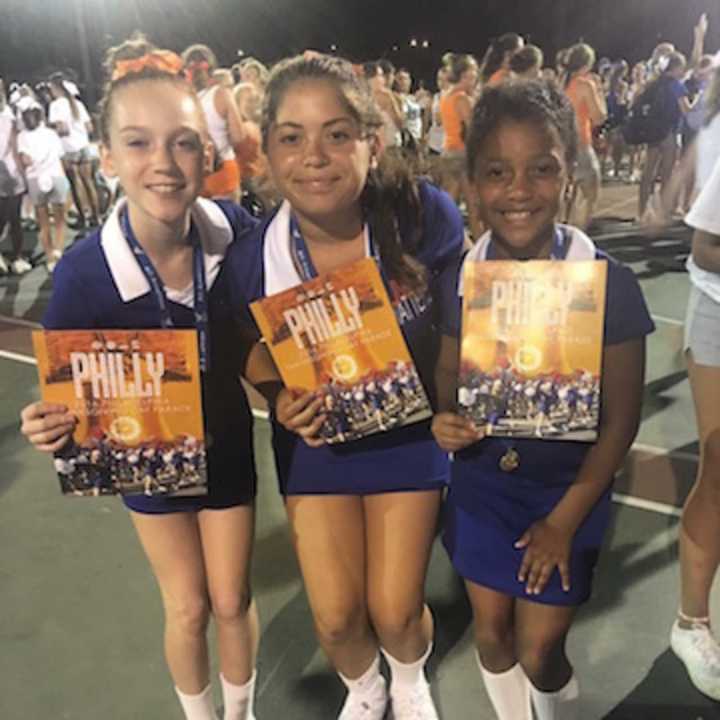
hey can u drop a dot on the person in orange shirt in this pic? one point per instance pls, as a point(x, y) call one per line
point(223, 119)
point(495, 67)
point(585, 93)
point(455, 112)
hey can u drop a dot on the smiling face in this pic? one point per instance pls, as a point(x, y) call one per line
point(318, 154)
point(158, 149)
point(520, 175)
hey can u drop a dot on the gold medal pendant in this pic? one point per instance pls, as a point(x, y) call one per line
point(510, 461)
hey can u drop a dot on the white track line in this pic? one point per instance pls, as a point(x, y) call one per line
point(18, 357)
point(651, 505)
point(667, 320)
point(20, 321)
point(655, 450)
point(639, 503)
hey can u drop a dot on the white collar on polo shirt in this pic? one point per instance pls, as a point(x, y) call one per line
point(280, 270)
point(581, 248)
point(216, 234)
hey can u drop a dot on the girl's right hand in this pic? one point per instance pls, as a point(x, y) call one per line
point(48, 426)
point(453, 432)
point(297, 412)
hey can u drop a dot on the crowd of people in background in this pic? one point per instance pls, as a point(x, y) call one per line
point(654, 124)
point(637, 124)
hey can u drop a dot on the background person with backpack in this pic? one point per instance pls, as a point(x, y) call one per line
point(655, 120)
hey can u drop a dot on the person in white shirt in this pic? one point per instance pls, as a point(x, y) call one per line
point(691, 638)
point(70, 119)
point(410, 106)
point(41, 155)
point(12, 187)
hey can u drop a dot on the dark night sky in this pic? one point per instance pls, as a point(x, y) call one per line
point(38, 36)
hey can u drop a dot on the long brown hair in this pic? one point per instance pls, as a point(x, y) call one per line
point(390, 199)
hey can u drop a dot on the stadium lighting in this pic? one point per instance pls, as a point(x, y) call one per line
point(395, 48)
point(333, 47)
point(413, 42)
point(241, 53)
point(426, 43)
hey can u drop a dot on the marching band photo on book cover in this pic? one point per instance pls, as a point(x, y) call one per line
point(137, 397)
point(338, 335)
point(531, 353)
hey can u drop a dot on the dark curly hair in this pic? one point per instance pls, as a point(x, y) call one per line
point(535, 101)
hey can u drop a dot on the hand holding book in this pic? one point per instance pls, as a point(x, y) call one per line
point(453, 432)
point(48, 426)
point(297, 411)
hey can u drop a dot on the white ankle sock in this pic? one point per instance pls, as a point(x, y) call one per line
point(238, 699)
point(366, 681)
point(198, 707)
point(406, 676)
point(562, 704)
point(509, 692)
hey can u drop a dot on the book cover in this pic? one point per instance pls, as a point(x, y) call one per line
point(531, 353)
point(338, 335)
point(137, 397)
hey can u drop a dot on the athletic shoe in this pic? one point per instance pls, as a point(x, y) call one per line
point(51, 265)
point(3, 266)
point(700, 652)
point(414, 705)
point(20, 266)
point(368, 705)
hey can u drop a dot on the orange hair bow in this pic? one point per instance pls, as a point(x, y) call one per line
point(162, 60)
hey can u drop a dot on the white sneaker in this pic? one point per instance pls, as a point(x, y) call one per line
point(3, 266)
point(415, 705)
point(369, 705)
point(50, 265)
point(700, 652)
point(20, 266)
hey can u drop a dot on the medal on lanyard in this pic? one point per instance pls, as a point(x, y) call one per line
point(199, 287)
point(510, 460)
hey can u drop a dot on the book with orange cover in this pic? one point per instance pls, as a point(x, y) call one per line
point(137, 397)
point(338, 335)
point(532, 341)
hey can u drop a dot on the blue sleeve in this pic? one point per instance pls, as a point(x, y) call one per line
point(447, 295)
point(679, 90)
point(443, 229)
point(626, 314)
point(240, 219)
point(69, 308)
point(244, 267)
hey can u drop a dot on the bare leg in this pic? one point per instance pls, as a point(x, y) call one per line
point(400, 531)
point(227, 541)
point(173, 547)
point(329, 538)
point(699, 537)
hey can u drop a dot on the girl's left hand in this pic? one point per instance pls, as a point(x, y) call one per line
point(546, 547)
point(300, 412)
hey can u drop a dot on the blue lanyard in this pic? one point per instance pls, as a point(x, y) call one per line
point(303, 262)
point(200, 305)
point(559, 250)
